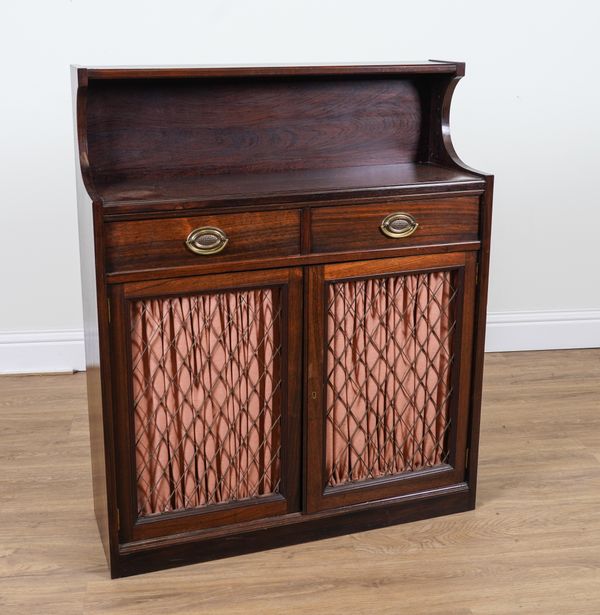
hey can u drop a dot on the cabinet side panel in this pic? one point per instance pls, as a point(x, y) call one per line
point(89, 286)
point(93, 378)
point(479, 338)
point(92, 363)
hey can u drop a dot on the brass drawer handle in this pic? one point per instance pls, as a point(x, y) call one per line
point(206, 240)
point(399, 225)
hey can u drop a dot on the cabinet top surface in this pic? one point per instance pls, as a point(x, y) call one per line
point(382, 68)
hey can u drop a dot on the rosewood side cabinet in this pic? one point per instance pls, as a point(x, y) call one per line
point(284, 285)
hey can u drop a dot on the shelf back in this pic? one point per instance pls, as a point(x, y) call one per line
point(212, 126)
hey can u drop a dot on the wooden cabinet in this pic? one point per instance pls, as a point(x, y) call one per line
point(284, 277)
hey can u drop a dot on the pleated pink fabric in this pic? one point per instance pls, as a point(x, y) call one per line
point(206, 386)
point(388, 366)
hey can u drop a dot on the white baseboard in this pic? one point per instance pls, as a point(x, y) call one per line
point(32, 352)
point(507, 331)
point(23, 352)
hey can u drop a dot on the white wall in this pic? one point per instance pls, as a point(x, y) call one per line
point(526, 111)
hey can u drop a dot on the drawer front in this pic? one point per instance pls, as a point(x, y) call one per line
point(359, 227)
point(150, 244)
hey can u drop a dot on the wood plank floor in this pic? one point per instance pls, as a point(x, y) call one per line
point(532, 545)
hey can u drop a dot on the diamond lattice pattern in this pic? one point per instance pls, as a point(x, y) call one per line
point(389, 359)
point(206, 389)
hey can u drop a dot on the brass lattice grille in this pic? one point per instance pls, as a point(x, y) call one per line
point(389, 358)
point(206, 390)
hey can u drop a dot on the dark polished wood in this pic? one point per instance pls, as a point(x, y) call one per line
point(358, 227)
point(164, 72)
point(97, 352)
point(170, 193)
point(149, 244)
point(288, 261)
point(136, 558)
point(298, 166)
point(249, 126)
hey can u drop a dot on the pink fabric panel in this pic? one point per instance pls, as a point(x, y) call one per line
point(388, 365)
point(206, 398)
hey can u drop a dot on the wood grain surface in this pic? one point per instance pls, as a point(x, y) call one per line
point(531, 546)
point(148, 244)
point(169, 194)
point(247, 125)
point(358, 227)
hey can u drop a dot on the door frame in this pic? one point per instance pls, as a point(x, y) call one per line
point(290, 283)
point(318, 495)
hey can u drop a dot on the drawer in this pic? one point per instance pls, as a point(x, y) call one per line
point(158, 243)
point(358, 227)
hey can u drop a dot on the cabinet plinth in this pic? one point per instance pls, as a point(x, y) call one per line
point(284, 285)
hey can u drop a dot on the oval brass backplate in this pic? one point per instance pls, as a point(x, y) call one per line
point(206, 240)
point(399, 225)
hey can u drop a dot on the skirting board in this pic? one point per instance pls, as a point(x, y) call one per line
point(32, 352)
point(62, 351)
point(508, 331)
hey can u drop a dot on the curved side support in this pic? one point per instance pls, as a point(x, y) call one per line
point(445, 152)
point(80, 84)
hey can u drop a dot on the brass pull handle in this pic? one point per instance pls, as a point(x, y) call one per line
point(399, 225)
point(206, 240)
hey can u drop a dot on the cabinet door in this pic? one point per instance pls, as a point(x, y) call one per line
point(389, 353)
point(207, 400)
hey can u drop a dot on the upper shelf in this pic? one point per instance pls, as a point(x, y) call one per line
point(304, 184)
point(162, 136)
